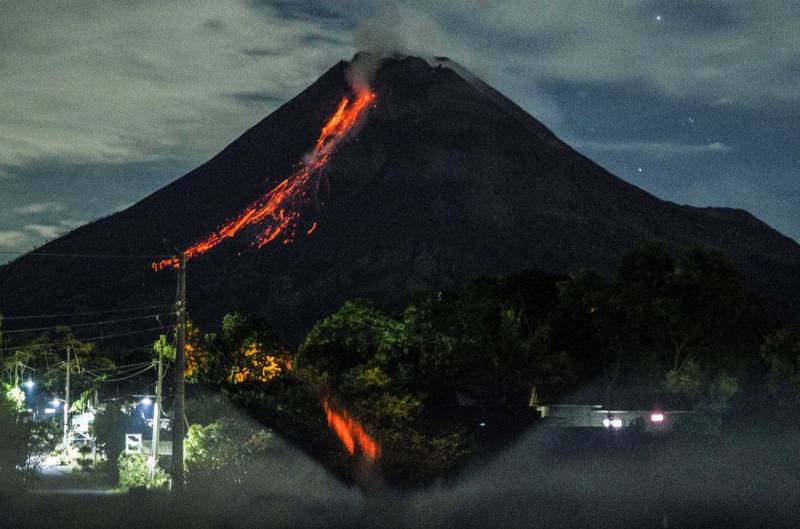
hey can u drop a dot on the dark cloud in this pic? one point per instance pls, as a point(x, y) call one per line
point(116, 88)
point(261, 52)
point(258, 98)
point(305, 10)
point(214, 25)
point(78, 193)
point(692, 16)
point(313, 39)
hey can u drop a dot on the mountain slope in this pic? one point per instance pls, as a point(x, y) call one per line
point(445, 180)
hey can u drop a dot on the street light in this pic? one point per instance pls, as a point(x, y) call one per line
point(29, 384)
point(147, 401)
point(56, 402)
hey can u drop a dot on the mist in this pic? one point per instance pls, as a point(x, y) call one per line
point(552, 477)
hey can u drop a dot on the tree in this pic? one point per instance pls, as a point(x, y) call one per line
point(780, 351)
point(134, 471)
point(575, 331)
point(244, 351)
point(711, 392)
point(351, 336)
point(109, 428)
point(196, 358)
point(704, 307)
point(15, 440)
point(225, 453)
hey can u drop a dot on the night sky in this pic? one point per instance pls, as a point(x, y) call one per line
point(103, 102)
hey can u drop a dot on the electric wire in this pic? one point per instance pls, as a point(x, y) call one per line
point(116, 368)
point(118, 372)
point(88, 255)
point(89, 313)
point(131, 333)
point(128, 377)
point(102, 322)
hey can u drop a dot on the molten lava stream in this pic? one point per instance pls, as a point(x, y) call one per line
point(351, 433)
point(279, 209)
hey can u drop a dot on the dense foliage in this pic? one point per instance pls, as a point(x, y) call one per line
point(453, 374)
point(110, 426)
point(134, 471)
point(225, 453)
point(15, 438)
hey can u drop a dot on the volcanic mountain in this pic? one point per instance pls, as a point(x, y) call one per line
point(421, 179)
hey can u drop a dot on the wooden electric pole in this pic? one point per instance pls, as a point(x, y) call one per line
point(66, 406)
point(156, 439)
point(178, 426)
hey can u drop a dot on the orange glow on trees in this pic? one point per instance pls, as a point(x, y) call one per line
point(257, 366)
point(277, 211)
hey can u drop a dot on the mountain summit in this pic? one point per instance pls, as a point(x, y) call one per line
point(435, 178)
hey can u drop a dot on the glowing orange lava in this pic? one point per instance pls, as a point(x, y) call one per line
point(351, 433)
point(278, 210)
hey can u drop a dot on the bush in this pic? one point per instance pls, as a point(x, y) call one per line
point(85, 460)
point(224, 453)
point(109, 428)
point(15, 440)
point(135, 472)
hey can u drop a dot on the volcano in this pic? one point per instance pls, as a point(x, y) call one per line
point(428, 177)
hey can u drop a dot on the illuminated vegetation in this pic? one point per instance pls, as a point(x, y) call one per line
point(422, 391)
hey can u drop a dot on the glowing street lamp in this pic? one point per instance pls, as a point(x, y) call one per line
point(147, 401)
point(56, 402)
point(29, 384)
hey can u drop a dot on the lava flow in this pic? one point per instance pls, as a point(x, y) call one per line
point(279, 209)
point(351, 433)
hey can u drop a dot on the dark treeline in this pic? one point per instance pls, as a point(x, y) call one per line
point(451, 378)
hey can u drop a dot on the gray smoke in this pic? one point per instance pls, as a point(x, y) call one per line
point(393, 31)
point(362, 70)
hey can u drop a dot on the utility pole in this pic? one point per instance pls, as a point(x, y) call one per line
point(66, 406)
point(178, 427)
point(2, 341)
point(157, 417)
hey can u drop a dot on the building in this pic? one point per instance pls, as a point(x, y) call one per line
point(652, 412)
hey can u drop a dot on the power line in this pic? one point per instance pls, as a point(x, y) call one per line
point(117, 368)
point(89, 313)
point(88, 255)
point(116, 371)
point(134, 375)
point(34, 346)
point(134, 349)
point(90, 323)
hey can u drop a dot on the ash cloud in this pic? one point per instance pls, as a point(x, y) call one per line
point(393, 31)
point(399, 30)
point(362, 70)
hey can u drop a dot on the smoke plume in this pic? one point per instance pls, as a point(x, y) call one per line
point(362, 70)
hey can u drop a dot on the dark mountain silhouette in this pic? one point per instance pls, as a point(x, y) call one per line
point(446, 180)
